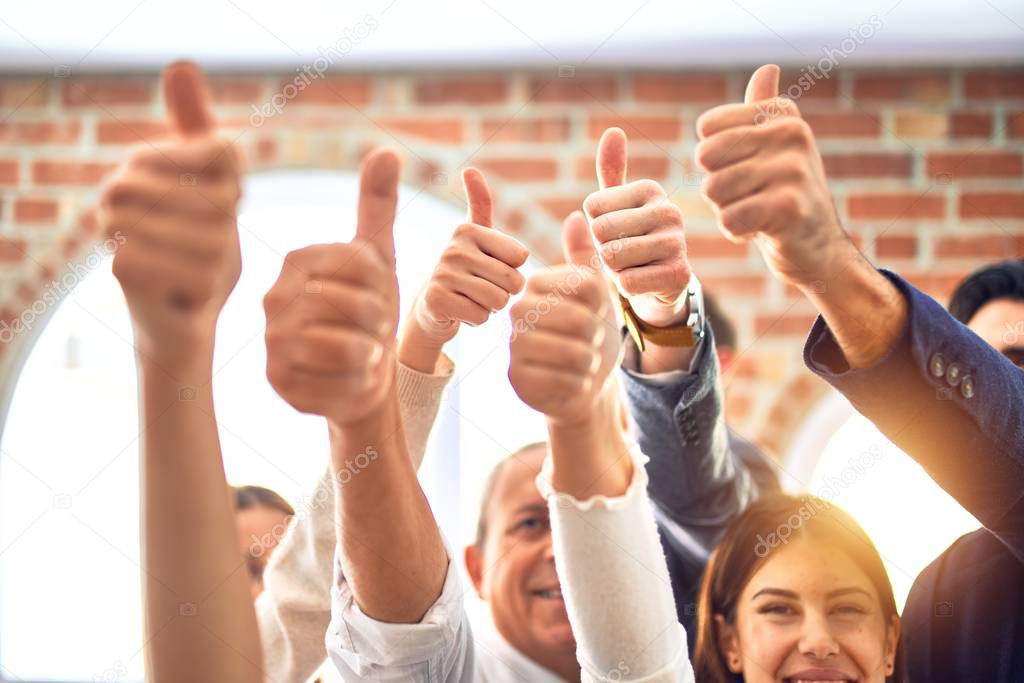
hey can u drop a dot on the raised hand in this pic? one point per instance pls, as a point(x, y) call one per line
point(332, 313)
point(477, 273)
point(173, 208)
point(566, 339)
point(765, 180)
point(640, 236)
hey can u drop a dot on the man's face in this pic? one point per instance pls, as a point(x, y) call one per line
point(1000, 322)
point(259, 530)
point(515, 571)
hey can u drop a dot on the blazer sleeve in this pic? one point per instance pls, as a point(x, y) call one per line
point(696, 478)
point(950, 401)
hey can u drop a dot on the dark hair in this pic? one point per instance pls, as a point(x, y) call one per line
point(999, 281)
point(247, 497)
point(721, 326)
point(737, 558)
point(492, 483)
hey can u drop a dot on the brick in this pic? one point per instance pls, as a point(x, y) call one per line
point(994, 84)
point(802, 86)
point(575, 89)
point(560, 207)
point(991, 164)
point(445, 131)
point(986, 246)
point(1015, 124)
point(874, 165)
point(905, 206)
point(654, 167)
point(330, 90)
point(108, 92)
point(680, 88)
point(920, 124)
point(520, 170)
point(711, 247)
point(40, 132)
point(12, 250)
point(896, 246)
point(69, 172)
point(966, 124)
point(462, 90)
point(235, 90)
point(31, 211)
point(991, 205)
point(844, 124)
point(785, 325)
point(9, 171)
point(24, 94)
point(539, 129)
point(130, 131)
point(733, 285)
point(640, 126)
point(940, 286)
point(915, 87)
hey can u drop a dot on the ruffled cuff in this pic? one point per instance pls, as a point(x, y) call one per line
point(637, 487)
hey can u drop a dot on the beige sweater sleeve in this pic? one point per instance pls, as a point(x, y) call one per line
point(294, 609)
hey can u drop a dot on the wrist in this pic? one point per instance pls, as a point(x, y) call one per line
point(418, 349)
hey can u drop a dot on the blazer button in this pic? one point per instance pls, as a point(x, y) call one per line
point(937, 365)
point(954, 374)
point(967, 387)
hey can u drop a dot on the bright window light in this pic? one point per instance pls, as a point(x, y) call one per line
point(69, 533)
point(910, 519)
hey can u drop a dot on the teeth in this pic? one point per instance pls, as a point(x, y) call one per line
point(550, 594)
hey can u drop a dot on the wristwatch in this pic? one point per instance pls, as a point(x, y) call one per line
point(685, 333)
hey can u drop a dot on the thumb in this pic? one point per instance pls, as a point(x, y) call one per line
point(378, 199)
point(577, 244)
point(611, 158)
point(763, 85)
point(478, 197)
point(188, 99)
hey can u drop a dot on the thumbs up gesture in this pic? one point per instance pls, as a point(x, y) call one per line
point(765, 179)
point(640, 236)
point(332, 313)
point(172, 208)
point(477, 273)
point(566, 339)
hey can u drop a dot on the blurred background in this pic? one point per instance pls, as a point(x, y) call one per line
point(918, 108)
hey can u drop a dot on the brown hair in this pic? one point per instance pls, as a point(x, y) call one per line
point(745, 547)
point(247, 497)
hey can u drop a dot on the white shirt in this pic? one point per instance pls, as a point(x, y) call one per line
point(617, 593)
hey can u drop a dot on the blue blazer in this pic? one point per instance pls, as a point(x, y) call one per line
point(955, 405)
point(701, 474)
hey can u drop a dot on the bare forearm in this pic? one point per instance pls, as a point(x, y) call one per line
point(590, 456)
point(864, 310)
point(390, 547)
point(200, 621)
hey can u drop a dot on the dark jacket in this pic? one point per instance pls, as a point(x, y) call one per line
point(701, 474)
point(964, 617)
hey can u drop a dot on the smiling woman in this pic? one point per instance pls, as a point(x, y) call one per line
point(69, 496)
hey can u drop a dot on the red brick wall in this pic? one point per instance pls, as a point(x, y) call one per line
point(926, 167)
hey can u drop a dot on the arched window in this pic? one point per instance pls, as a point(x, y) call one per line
point(840, 456)
point(69, 533)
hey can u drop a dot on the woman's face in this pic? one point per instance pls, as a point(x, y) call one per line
point(809, 614)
